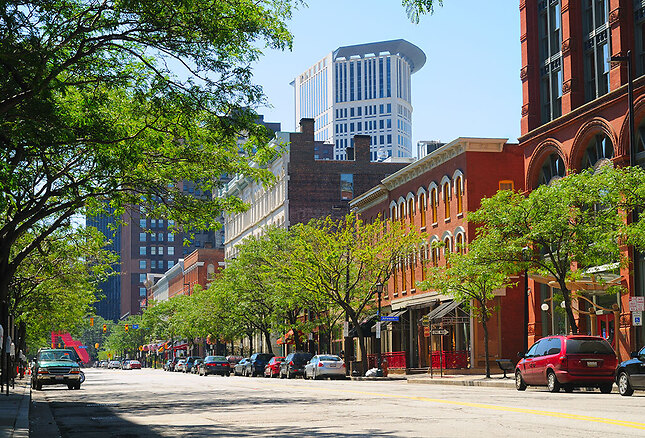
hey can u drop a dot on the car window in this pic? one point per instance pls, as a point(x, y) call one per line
point(588, 346)
point(219, 359)
point(329, 358)
point(553, 346)
point(542, 348)
point(532, 350)
point(642, 352)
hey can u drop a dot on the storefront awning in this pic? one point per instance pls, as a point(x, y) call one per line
point(594, 280)
point(366, 327)
point(441, 311)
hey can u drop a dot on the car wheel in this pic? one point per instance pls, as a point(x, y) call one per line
point(77, 386)
point(288, 374)
point(552, 382)
point(624, 387)
point(568, 388)
point(606, 388)
point(281, 375)
point(70, 386)
point(520, 385)
point(39, 386)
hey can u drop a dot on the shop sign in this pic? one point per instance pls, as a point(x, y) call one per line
point(636, 304)
point(426, 332)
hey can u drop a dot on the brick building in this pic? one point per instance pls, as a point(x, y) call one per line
point(434, 195)
point(575, 116)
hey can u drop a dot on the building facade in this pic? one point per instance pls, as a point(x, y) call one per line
point(575, 115)
point(305, 187)
point(434, 195)
point(365, 89)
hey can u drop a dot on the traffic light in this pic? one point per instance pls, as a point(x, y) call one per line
point(104, 328)
point(96, 346)
point(127, 328)
point(92, 322)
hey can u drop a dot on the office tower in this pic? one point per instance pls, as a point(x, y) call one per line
point(363, 89)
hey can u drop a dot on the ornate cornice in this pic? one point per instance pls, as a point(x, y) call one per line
point(524, 73)
point(614, 17)
point(566, 46)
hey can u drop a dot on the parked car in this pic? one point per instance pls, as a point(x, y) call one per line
point(630, 374)
point(240, 368)
point(325, 365)
point(167, 365)
point(567, 362)
point(132, 365)
point(56, 367)
point(114, 365)
point(233, 360)
point(195, 368)
point(172, 363)
point(294, 364)
point(273, 367)
point(215, 365)
point(124, 364)
point(256, 364)
point(103, 364)
point(180, 365)
point(190, 361)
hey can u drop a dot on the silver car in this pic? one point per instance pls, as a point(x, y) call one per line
point(325, 365)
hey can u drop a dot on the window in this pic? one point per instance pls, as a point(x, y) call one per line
point(639, 34)
point(446, 200)
point(411, 210)
point(459, 243)
point(153, 250)
point(506, 185)
point(142, 278)
point(142, 237)
point(153, 223)
point(160, 251)
point(142, 250)
point(597, 48)
point(396, 280)
point(447, 247)
point(550, 38)
point(435, 255)
point(153, 264)
point(423, 256)
point(171, 263)
point(171, 250)
point(346, 186)
point(599, 148)
point(402, 211)
point(142, 264)
point(553, 168)
point(153, 237)
point(171, 237)
point(433, 204)
point(422, 208)
point(381, 123)
point(458, 189)
point(403, 288)
point(171, 222)
point(142, 292)
point(160, 237)
point(142, 223)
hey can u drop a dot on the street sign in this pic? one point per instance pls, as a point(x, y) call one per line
point(637, 318)
point(425, 321)
point(346, 329)
point(442, 332)
point(135, 326)
point(636, 304)
point(426, 332)
point(378, 330)
point(390, 318)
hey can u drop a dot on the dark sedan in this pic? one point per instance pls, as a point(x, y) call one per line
point(630, 374)
point(294, 364)
point(215, 365)
point(240, 367)
point(256, 364)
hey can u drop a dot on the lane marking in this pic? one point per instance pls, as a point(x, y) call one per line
point(623, 423)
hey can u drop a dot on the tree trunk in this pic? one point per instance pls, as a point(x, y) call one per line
point(567, 303)
point(267, 338)
point(485, 326)
point(297, 340)
point(250, 336)
point(363, 347)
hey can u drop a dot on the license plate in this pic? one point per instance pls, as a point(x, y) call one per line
point(332, 365)
point(59, 377)
point(592, 364)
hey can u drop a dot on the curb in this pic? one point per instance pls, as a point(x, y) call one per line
point(482, 383)
point(389, 378)
point(21, 424)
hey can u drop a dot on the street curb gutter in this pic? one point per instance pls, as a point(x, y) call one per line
point(483, 383)
point(21, 425)
point(380, 378)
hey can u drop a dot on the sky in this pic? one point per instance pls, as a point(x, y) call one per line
point(469, 87)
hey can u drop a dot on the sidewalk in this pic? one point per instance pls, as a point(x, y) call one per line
point(496, 380)
point(14, 410)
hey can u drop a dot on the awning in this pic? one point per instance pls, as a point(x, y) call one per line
point(289, 338)
point(366, 327)
point(441, 311)
point(180, 347)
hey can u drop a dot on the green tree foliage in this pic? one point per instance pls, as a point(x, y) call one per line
point(340, 262)
point(120, 101)
point(568, 226)
point(416, 8)
point(471, 279)
point(126, 343)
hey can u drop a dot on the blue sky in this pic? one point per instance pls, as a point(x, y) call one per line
point(469, 86)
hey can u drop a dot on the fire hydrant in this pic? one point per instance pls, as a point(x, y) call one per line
point(384, 367)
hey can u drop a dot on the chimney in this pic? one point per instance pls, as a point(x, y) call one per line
point(307, 128)
point(362, 148)
point(350, 153)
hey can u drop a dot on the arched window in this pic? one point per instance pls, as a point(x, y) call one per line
point(413, 280)
point(640, 145)
point(446, 199)
point(395, 277)
point(393, 213)
point(599, 148)
point(459, 190)
point(446, 245)
point(411, 210)
point(553, 168)
point(459, 244)
point(423, 256)
point(435, 256)
point(423, 205)
point(402, 211)
point(433, 204)
point(402, 275)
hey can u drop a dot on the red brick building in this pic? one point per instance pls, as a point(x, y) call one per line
point(575, 116)
point(434, 195)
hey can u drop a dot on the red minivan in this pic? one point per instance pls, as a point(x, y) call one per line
point(567, 362)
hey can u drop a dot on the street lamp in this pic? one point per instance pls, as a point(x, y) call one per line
point(525, 251)
point(379, 292)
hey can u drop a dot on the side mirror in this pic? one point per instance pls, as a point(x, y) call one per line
point(521, 355)
point(633, 354)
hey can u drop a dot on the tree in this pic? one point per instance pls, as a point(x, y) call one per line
point(341, 262)
point(562, 229)
point(416, 8)
point(470, 279)
point(92, 111)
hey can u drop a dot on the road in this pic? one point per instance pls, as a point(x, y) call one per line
point(153, 403)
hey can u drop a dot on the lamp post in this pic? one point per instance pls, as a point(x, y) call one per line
point(379, 292)
point(526, 300)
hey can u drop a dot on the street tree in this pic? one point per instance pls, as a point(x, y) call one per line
point(342, 261)
point(109, 104)
point(470, 279)
point(562, 229)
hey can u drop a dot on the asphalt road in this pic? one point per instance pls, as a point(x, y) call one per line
point(153, 403)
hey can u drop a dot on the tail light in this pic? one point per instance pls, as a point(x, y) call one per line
point(320, 364)
point(342, 364)
point(291, 363)
point(42, 371)
point(564, 363)
point(75, 372)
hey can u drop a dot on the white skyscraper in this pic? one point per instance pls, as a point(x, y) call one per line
point(362, 89)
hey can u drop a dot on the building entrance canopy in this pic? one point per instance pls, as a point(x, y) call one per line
point(594, 280)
